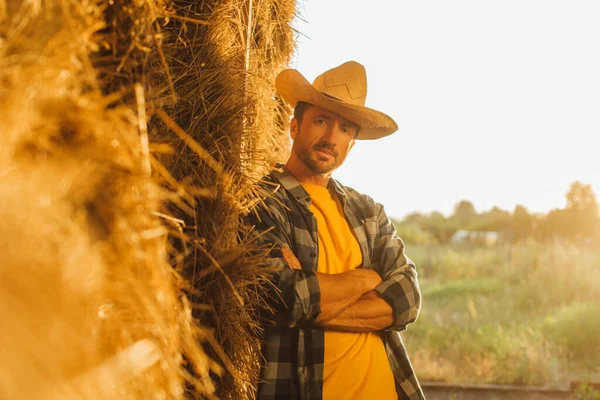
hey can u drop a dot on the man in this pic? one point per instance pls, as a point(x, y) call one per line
point(343, 287)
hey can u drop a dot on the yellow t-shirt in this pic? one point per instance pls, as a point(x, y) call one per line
point(356, 364)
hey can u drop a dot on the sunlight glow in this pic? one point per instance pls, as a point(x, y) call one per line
point(497, 102)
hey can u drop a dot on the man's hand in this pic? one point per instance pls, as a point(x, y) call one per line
point(340, 291)
point(370, 278)
point(290, 258)
point(370, 313)
point(371, 295)
point(367, 278)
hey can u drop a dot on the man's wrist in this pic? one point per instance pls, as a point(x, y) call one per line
point(369, 279)
point(371, 294)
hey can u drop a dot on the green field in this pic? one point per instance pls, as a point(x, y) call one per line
point(514, 314)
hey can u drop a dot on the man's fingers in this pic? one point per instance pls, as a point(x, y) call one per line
point(292, 262)
point(290, 258)
point(371, 295)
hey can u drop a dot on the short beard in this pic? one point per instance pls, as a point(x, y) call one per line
point(320, 167)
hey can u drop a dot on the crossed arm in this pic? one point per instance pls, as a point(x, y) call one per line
point(358, 300)
point(348, 301)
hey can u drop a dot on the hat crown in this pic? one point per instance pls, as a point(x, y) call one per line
point(347, 83)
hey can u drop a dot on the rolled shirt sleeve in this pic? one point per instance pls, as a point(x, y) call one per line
point(400, 287)
point(294, 298)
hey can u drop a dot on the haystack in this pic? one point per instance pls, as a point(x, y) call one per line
point(131, 137)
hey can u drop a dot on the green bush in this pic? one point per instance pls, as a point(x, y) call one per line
point(577, 329)
point(522, 314)
point(486, 354)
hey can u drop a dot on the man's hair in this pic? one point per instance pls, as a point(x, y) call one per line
point(301, 107)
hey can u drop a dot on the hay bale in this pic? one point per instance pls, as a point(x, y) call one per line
point(93, 308)
point(133, 133)
point(209, 77)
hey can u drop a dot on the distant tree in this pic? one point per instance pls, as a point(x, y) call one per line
point(578, 221)
point(522, 223)
point(582, 197)
point(553, 225)
point(416, 218)
point(581, 220)
point(464, 214)
point(440, 227)
point(413, 232)
point(496, 219)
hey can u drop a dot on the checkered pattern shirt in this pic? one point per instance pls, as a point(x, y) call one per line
point(293, 348)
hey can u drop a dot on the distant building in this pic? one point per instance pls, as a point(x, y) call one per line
point(487, 238)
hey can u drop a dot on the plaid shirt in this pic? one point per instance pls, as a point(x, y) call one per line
point(293, 347)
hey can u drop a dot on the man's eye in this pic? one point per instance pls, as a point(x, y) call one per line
point(320, 121)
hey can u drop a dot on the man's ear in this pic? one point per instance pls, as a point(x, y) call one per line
point(294, 128)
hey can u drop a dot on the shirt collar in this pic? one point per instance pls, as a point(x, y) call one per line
point(287, 180)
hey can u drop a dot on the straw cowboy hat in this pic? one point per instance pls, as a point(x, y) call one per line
point(343, 90)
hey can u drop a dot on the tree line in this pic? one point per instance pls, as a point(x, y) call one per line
point(577, 222)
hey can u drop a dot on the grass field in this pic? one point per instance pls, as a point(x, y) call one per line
point(522, 314)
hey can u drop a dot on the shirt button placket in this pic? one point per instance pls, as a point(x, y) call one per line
point(303, 378)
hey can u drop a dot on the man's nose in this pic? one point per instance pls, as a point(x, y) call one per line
point(333, 132)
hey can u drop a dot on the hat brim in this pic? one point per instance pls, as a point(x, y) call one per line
point(293, 87)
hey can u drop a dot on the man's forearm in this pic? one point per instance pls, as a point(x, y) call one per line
point(337, 291)
point(340, 291)
point(370, 313)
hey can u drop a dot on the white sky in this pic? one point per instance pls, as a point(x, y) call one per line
point(498, 102)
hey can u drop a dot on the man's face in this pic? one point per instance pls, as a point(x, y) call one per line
point(323, 139)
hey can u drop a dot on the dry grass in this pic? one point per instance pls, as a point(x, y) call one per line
point(522, 314)
point(132, 134)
